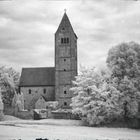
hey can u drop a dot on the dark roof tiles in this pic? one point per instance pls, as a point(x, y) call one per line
point(65, 22)
point(42, 76)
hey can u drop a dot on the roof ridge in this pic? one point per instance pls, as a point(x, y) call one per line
point(43, 97)
point(36, 67)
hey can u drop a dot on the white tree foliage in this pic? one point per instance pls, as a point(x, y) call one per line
point(9, 80)
point(18, 101)
point(1, 107)
point(124, 62)
point(95, 99)
point(100, 97)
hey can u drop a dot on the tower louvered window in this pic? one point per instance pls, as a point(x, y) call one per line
point(65, 40)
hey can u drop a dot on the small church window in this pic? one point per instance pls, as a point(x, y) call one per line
point(64, 69)
point(64, 59)
point(65, 103)
point(62, 40)
point(44, 90)
point(29, 91)
point(67, 40)
point(65, 92)
point(63, 28)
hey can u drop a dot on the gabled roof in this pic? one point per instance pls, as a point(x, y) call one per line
point(64, 22)
point(41, 76)
point(35, 98)
point(42, 97)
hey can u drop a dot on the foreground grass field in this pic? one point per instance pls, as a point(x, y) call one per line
point(62, 130)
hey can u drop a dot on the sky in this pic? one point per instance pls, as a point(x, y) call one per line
point(27, 29)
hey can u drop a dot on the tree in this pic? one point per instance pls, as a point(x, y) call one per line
point(9, 80)
point(18, 101)
point(124, 62)
point(102, 96)
point(95, 99)
point(1, 107)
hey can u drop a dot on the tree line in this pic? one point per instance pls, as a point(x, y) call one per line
point(102, 96)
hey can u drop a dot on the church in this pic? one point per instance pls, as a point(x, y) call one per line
point(53, 83)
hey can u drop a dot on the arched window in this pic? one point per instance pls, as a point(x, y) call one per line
point(65, 103)
point(64, 40)
point(29, 91)
point(44, 90)
point(65, 92)
point(67, 40)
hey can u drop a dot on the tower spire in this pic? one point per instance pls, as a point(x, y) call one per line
point(65, 10)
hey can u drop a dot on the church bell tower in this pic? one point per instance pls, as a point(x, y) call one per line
point(65, 61)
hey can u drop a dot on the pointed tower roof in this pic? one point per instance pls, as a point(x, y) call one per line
point(65, 22)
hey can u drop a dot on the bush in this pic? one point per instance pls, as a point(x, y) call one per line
point(25, 114)
point(1, 115)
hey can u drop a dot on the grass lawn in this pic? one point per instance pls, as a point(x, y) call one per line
point(61, 129)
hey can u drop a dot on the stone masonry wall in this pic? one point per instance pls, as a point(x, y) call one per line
point(35, 93)
point(65, 63)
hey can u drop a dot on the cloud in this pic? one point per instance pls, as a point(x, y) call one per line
point(27, 29)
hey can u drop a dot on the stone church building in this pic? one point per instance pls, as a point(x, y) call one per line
point(53, 83)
